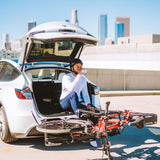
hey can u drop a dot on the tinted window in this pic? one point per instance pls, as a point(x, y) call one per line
point(8, 72)
point(1, 70)
point(47, 73)
point(52, 49)
point(1, 66)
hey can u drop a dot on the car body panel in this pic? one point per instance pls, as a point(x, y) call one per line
point(60, 30)
point(22, 114)
point(56, 32)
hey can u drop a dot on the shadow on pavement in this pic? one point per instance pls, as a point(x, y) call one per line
point(38, 143)
point(132, 143)
point(135, 143)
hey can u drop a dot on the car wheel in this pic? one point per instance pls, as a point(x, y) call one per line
point(4, 129)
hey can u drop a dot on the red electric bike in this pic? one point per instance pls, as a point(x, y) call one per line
point(93, 123)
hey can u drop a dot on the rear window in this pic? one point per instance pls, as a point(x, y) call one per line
point(62, 48)
point(47, 73)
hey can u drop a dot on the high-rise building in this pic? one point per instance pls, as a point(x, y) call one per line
point(17, 45)
point(126, 22)
point(102, 28)
point(31, 24)
point(119, 31)
point(6, 43)
point(74, 19)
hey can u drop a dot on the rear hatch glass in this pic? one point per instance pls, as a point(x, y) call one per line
point(53, 51)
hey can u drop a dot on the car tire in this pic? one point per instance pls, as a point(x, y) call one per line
point(4, 129)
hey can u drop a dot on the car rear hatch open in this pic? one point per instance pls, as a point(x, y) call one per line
point(55, 41)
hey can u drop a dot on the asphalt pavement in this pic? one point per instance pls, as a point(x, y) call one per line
point(131, 144)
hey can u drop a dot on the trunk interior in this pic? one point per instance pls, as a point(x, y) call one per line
point(47, 95)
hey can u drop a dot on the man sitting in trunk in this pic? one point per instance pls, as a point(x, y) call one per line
point(74, 86)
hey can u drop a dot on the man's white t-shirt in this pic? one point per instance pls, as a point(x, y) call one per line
point(77, 84)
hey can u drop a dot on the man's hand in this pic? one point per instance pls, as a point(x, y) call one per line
point(83, 71)
point(89, 106)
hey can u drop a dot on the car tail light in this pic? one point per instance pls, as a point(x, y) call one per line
point(23, 94)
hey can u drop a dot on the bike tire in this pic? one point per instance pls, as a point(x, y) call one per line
point(149, 118)
point(61, 127)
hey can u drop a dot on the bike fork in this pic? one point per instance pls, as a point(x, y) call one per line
point(106, 146)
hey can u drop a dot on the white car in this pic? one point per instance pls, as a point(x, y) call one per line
point(30, 88)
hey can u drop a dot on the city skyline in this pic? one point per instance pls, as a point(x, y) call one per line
point(74, 18)
point(126, 22)
point(102, 28)
point(122, 27)
point(15, 15)
point(119, 30)
point(31, 24)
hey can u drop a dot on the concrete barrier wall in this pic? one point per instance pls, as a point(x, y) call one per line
point(125, 48)
point(142, 79)
point(114, 79)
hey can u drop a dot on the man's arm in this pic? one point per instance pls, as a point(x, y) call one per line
point(68, 84)
point(86, 95)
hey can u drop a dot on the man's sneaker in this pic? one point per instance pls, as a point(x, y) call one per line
point(93, 143)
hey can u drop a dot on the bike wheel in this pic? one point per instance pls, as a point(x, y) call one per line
point(62, 126)
point(141, 119)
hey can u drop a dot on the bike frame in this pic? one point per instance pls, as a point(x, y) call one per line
point(86, 127)
point(111, 121)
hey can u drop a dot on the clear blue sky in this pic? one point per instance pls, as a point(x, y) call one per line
point(144, 15)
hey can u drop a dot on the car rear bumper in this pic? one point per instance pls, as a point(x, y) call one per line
point(20, 126)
